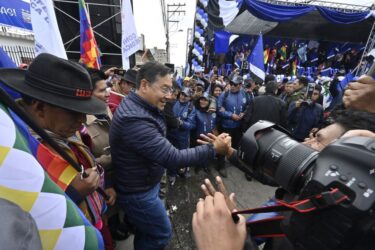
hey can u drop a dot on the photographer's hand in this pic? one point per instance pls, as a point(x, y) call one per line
point(361, 94)
point(213, 226)
point(359, 132)
point(209, 190)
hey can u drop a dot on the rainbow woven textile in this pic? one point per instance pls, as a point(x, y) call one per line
point(23, 181)
point(90, 55)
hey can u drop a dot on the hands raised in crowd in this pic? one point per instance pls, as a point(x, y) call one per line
point(213, 225)
point(110, 71)
point(360, 94)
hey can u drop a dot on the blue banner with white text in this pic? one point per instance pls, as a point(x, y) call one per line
point(15, 13)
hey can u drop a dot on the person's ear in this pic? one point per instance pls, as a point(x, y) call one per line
point(143, 85)
point(38, 108)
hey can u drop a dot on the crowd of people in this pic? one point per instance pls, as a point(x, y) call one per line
point(288, 57)
point(126, 129)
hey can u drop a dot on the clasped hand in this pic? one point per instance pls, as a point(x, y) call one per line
point(222, 143)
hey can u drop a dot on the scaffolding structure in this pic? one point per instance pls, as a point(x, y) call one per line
point(370, 45)
point(117, 11)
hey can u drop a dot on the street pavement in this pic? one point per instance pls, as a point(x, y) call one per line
point(183, 196)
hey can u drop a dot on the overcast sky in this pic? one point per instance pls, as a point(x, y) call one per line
point(149, 21)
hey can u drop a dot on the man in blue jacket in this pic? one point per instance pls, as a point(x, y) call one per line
point(231, 106)
point(184, 111)
point(140, 152)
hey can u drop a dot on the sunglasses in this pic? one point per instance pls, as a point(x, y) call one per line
point(233, 84)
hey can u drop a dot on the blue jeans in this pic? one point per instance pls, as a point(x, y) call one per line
point(147, 213)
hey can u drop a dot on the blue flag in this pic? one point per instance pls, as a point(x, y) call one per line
point(331, 54)
point(15, 13)
point(314, 57)
point(256, 59)
point(6, 62)
point(345, 81)
point(222, 41)
point(327, 72)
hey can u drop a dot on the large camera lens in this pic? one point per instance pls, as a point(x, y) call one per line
point(273, 155)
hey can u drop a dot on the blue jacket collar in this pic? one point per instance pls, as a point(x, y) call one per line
point(142, 102)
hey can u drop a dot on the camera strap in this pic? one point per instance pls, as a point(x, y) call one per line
point(270, 227)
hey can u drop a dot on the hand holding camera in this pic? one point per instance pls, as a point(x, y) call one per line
point(361, 94)
point(209, 190)
point(213, 225)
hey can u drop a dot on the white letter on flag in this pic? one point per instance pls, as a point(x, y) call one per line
point(46, 31)
point(130, 42)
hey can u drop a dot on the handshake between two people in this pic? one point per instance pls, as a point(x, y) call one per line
point(221, 143)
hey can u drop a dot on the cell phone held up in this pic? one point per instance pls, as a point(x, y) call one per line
point(119, 72)
point(309, 93)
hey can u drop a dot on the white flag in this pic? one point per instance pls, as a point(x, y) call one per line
point(130, 41)
point(46, 32)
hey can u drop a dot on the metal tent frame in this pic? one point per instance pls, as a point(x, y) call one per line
point(70, 41)
point(344, 7)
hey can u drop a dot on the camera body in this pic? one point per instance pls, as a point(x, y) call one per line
point(347, 164)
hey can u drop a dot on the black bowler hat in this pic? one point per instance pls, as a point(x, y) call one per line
point(55, 81)
point(130, 76)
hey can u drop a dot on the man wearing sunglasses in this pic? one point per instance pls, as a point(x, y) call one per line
point(141, 152)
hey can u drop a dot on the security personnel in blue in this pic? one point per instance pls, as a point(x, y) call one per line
point(141, 152)
point(184, 111)
point(231, 106)
point(205, 121)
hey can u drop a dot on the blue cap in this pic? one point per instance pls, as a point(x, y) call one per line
point(187, 91)
point(205, 96)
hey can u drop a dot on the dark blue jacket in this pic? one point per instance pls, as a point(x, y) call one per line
point(186, 113)
point(301, 120)
point(140, 151)
point(205, 122)
point(232, 103)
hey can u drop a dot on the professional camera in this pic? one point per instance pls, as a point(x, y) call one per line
point(347, 165)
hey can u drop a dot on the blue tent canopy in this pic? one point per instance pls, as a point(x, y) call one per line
point(282, 13)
